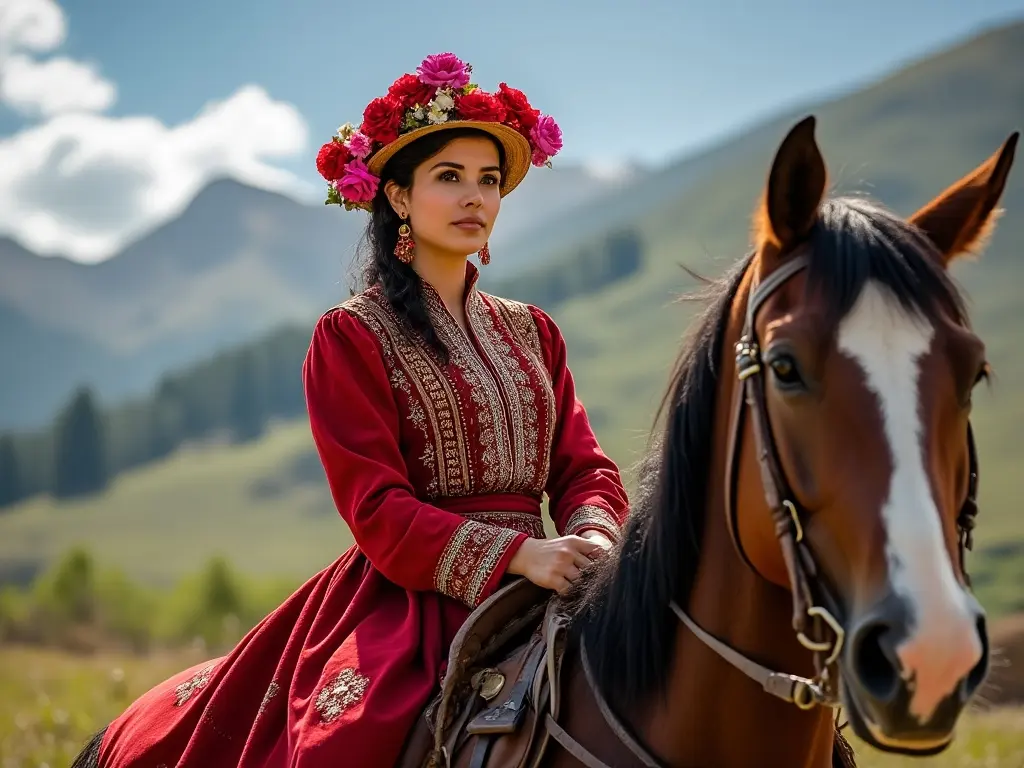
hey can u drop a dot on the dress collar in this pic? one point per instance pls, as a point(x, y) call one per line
point(472, 275)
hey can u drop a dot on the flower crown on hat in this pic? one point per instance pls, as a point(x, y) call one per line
point(439, 93)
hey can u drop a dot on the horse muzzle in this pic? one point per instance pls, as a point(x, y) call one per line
point(905, 685)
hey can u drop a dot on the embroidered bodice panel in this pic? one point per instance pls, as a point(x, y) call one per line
point(483, 422)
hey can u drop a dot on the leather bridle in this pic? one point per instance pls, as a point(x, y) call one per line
point(817, 618)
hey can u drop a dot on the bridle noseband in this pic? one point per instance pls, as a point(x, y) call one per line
point(813, 601)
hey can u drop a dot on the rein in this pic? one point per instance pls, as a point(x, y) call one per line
point(787, 514)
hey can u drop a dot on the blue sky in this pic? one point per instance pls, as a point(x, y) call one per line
point(638, 80)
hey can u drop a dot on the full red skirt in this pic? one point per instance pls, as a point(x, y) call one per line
point(336, 676)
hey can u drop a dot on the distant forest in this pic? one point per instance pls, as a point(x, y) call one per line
point(234, 395)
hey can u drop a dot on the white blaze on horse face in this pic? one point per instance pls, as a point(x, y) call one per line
point(940, 644)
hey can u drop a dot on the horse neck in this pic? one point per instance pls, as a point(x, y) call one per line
point(713, 715)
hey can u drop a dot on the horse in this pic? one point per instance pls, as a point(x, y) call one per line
point(797, 543)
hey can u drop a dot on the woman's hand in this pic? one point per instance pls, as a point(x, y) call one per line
point(598, 538)
point(554, 563)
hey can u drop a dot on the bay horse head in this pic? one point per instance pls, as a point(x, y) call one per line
point(857, 365)
point(810, 501)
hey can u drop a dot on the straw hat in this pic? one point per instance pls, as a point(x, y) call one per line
point(438, 97)
point(517, 149)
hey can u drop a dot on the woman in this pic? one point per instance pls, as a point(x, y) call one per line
point(441, 415)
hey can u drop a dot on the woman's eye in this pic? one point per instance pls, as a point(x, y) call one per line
point(449, 176)
point(490, 179)
point(785, 370)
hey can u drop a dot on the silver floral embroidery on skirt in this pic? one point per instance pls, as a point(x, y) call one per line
point(186, 690)
point(346, 689)
point(271, 693)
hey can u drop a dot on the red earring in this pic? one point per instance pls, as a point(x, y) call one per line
point(406, 245)
point(485, 255)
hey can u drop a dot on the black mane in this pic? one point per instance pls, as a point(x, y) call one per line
point(621, 607)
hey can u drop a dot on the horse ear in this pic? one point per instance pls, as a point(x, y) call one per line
point(963, 217)
point(794, 190)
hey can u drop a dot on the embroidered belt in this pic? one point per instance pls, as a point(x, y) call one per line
point(521, 522)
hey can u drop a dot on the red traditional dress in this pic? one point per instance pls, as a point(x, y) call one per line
point(439, 472)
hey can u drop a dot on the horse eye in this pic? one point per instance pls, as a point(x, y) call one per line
point(785, 371)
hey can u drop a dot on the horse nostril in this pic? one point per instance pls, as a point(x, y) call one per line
point(873, 661)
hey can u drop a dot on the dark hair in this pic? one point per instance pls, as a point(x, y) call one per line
point(400, 283)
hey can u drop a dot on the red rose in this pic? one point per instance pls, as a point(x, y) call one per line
point(521, 115)
point(480, 105)
point(382, 118)
point(410, 91)
point(331, 160)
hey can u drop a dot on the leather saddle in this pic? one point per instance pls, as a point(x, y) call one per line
point(502, 677)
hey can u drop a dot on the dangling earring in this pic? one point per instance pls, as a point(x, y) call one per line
point(485, 255)
point(406, 245)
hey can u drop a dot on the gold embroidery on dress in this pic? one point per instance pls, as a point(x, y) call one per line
point(511, 411)
point(519, 320)
point(520, 388)
point(272, 691)
point(346, 689)
point(592, 516)
point(469, 559)
point(503, 360)
point(496, 455)
point(198, 681)
point(521, 522)
point(441, 423)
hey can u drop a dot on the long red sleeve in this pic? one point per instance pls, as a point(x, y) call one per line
point(355, 425)
point(584, 488)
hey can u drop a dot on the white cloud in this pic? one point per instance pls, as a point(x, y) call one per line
point(44, 88)
point(57, 85)
point(82, 184)
point(34, 25)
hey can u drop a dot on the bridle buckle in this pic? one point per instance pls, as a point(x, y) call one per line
point(834, 648)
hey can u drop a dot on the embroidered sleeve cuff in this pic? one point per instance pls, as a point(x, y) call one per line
point(591, 517)
point(470, 559)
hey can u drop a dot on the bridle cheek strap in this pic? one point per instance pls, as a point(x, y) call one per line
point(750, 393)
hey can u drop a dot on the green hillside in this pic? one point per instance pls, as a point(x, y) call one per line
point(901, 140)
point(264, 506)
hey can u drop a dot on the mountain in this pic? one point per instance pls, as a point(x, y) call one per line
point(236, 263)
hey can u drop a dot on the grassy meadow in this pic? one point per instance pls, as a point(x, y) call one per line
point(262, 506)
point(51, 702)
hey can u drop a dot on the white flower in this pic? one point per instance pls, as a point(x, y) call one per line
point(345, 131)
point(443, 101)
point(435, 116)
point(418, 113)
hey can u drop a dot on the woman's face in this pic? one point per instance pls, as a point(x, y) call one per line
point(455, 197)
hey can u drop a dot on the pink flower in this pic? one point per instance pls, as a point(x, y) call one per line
point(443, 69)
point(539, 158)
point(359, 144)
point(358, 185)
point(546, 135)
